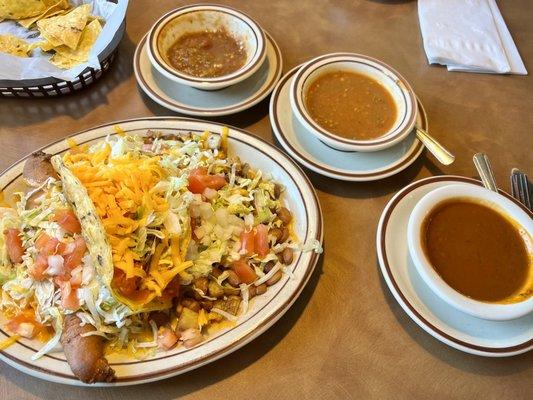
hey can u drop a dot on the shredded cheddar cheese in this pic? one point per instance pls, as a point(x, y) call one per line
point(4, 344)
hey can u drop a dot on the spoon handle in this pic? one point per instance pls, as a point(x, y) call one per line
point(520, 187)
point(437, 149)
point(481, 161)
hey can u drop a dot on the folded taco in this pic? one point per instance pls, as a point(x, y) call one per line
point(98, 245)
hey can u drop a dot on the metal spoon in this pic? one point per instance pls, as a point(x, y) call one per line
point(520, 187)
point(481, 161)
point(437, 149)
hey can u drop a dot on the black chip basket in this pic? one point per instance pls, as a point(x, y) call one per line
point(52, 87)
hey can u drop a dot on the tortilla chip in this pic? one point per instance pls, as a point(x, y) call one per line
point(52, 40)
point(17, 9)
point(67, 28)
point(59, 7)
point(67, 58)
point(93, 17)
point(45, 45)
point(15, 46)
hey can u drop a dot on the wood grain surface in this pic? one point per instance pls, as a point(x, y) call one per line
point(345, 337)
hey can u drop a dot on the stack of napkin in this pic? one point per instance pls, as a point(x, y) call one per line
point(468, 35)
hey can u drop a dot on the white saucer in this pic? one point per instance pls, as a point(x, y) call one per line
point(348, 166)
point(190, 101)
point(450, 326)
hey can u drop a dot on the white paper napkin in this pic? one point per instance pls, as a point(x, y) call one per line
point(468, 35)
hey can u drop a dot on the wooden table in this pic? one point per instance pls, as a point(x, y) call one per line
point(346, 337)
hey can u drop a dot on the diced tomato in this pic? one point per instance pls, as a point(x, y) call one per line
point(129, 287)
point(199, 179)
point(75, 279)
point(20, 324)
point(42, 241)
point(139, 295)
point(49, 245)
point(40, 265)
point(61, 248)
point(215, 181)
point(166, 338)
point(69, 295)
point(261, 240)
point(14, 245)
point(125, 285)
point(67, 220)
point(73, 259)
point(245, 273)
point(196, 184)
point(247, 242)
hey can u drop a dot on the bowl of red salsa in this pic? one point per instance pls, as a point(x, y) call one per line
point(208, 47)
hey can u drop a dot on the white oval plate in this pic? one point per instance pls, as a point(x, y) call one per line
point(265, 310)
point(305, 148)
point(436, 317)
point(190, 101)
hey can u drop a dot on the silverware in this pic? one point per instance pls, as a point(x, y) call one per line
point(481, 161)
point(520, 187)
point(437, 149)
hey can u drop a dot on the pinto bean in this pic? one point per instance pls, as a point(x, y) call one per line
point(284, 235)
point(261, 289)
point(272, 281)
point(276, 232)
point(277, 191)
point(284, 215)
point(268, 266)
point(233, 279)
point(287, 256)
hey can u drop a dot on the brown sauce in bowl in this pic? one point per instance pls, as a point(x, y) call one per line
point(207, 54)
point(478, 251)
point(351, 105)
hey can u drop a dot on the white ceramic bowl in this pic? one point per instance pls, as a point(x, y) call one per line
point(400, 90)
point(489, 311)
point(209, 17)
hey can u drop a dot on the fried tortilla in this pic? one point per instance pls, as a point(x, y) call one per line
point(66, 29)
point(18, 9)
point(59, 7)
point(67, 58)
point(15, 46)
